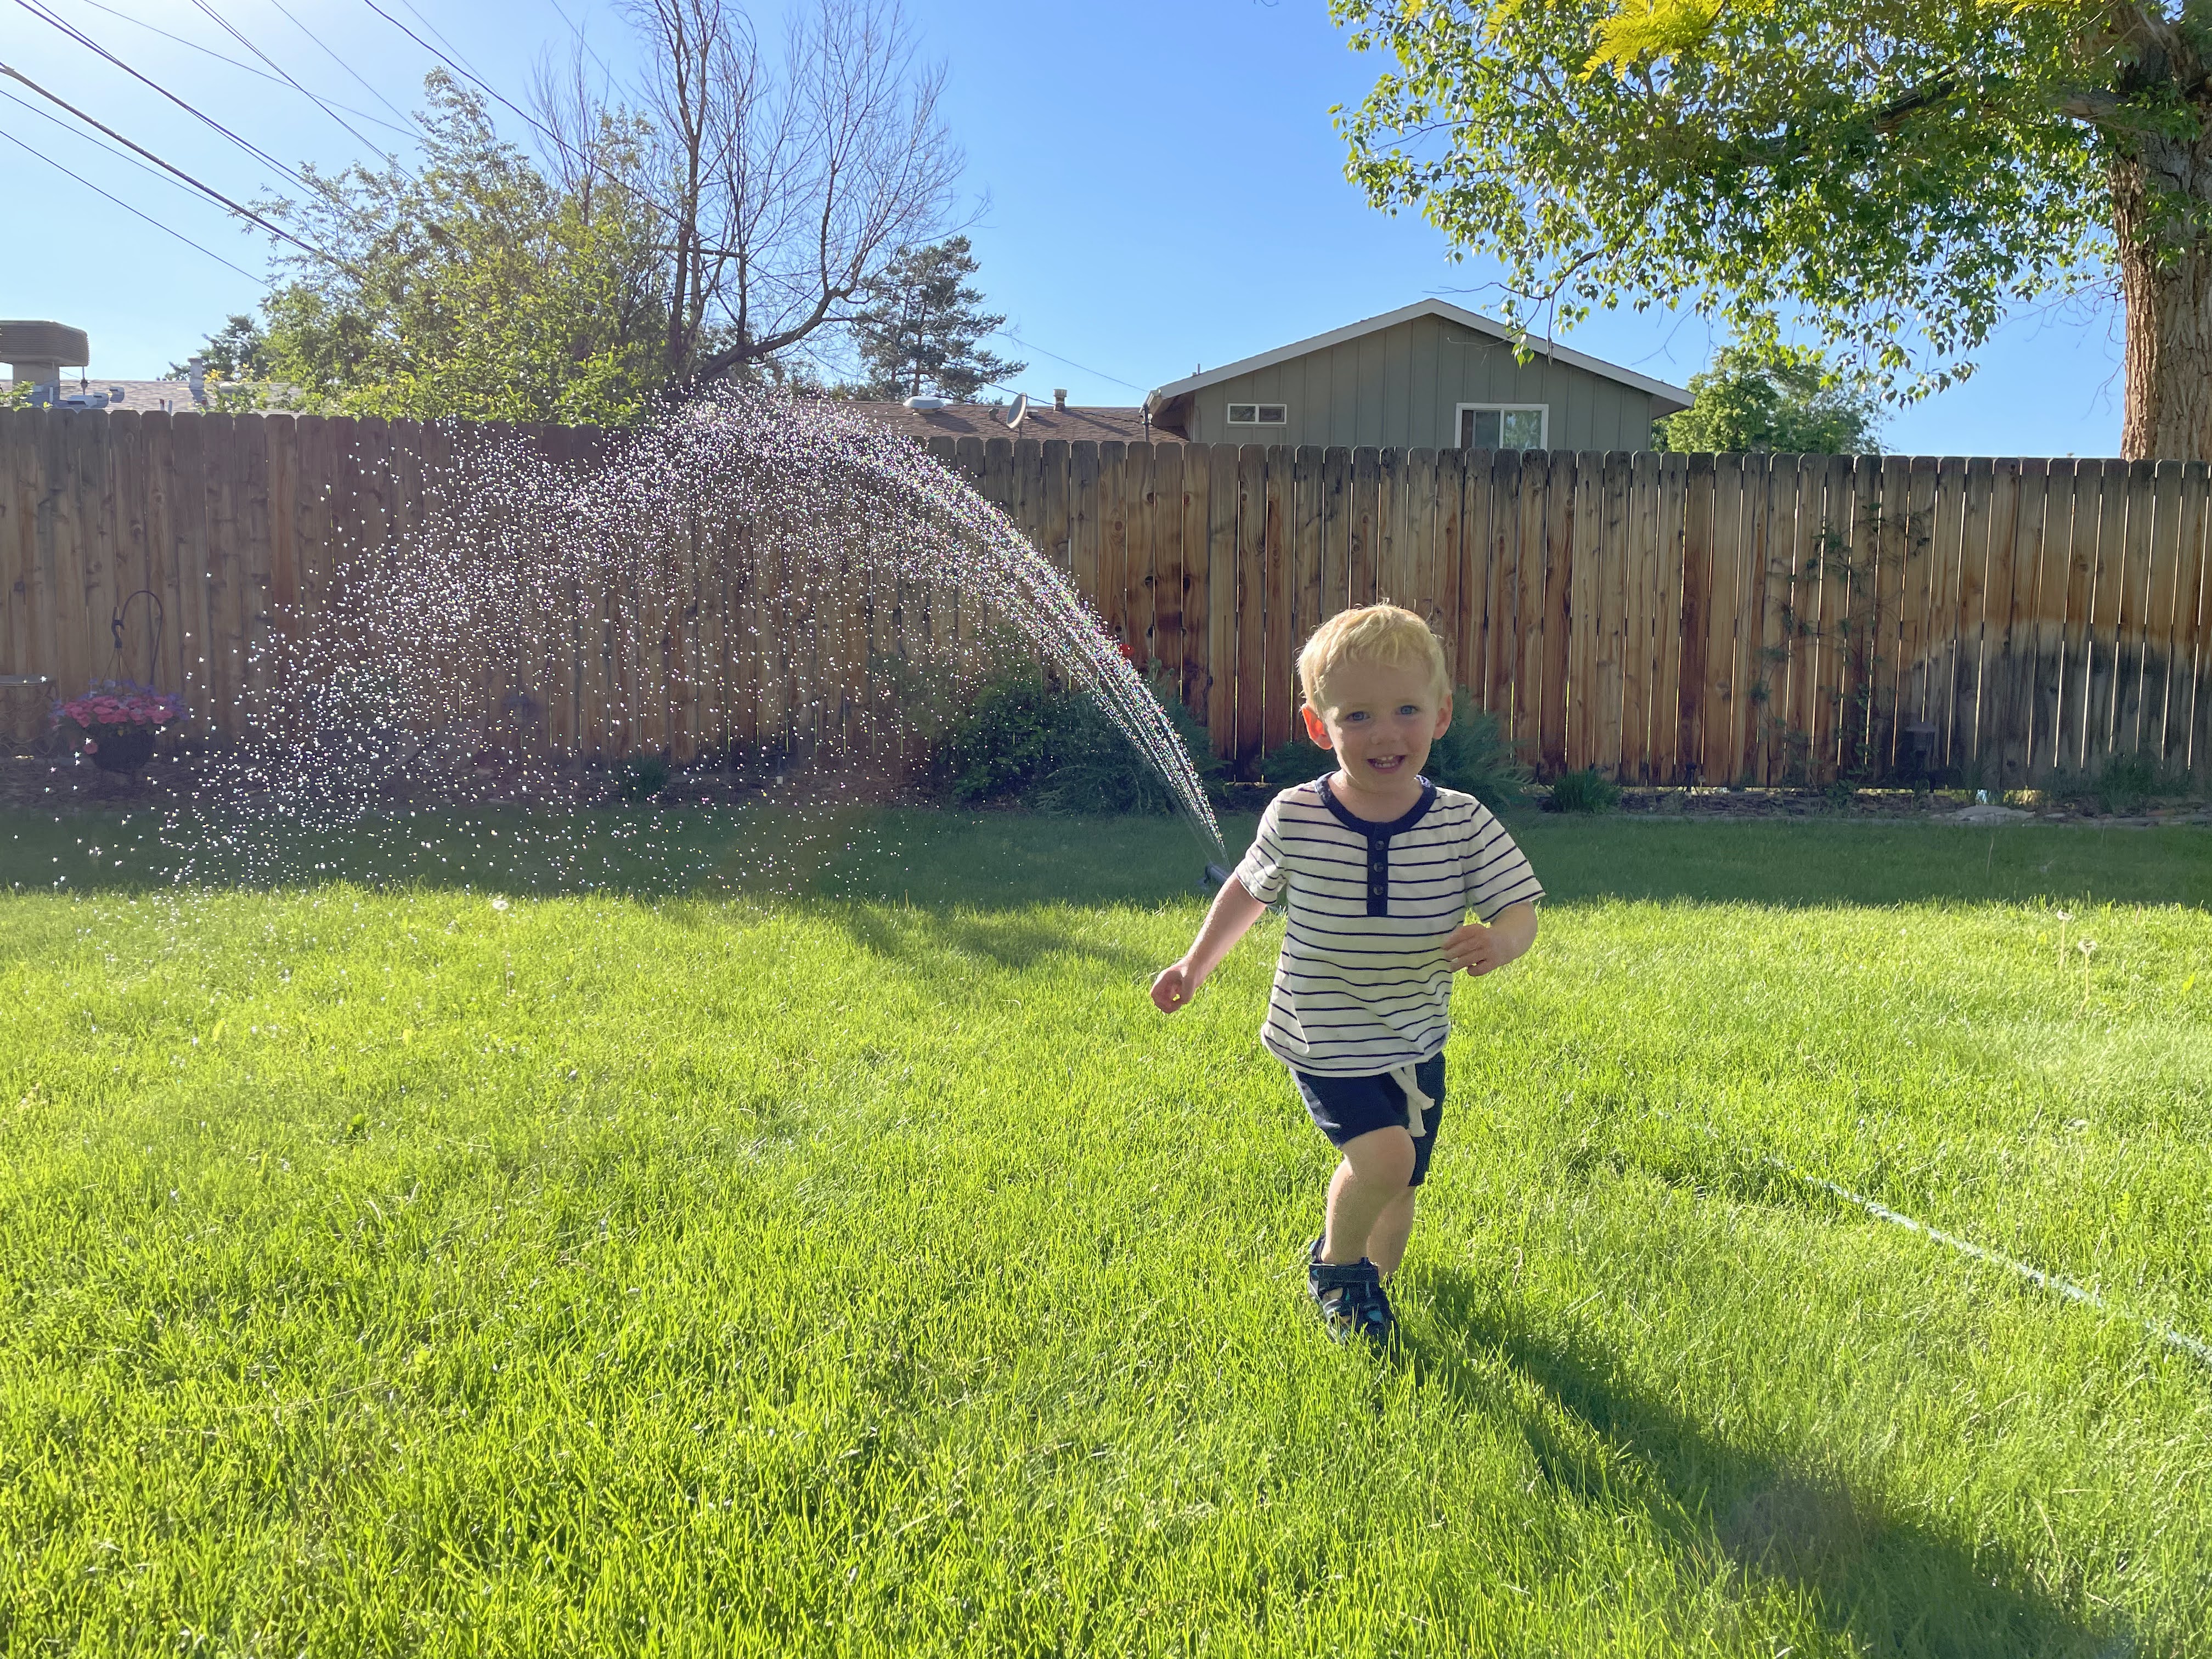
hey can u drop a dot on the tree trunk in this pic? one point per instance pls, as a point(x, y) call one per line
point(2167, 299)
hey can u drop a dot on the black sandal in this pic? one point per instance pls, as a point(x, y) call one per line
point(1350, 1296)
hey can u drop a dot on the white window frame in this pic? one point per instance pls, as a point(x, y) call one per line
point(1258, 409)
point(1543, 412)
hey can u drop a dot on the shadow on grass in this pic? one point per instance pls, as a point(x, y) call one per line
point(1888, 1584)
point(1015, 940)
point(1793, 863)
point(926, 859)
point(905, 857)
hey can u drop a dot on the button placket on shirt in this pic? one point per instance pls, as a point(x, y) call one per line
point(1378, 875)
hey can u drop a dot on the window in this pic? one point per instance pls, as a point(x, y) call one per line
point(1504, 426)
point(1259, 414)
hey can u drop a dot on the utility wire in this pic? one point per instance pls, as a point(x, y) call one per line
point(127, 208)
point(1070, 361)
point(44, 16)
point(414, 125)
point(224, 24)
point(450, 64)
point(209, 52)
point(104, 149)
point(242, 211)
point(577, 29)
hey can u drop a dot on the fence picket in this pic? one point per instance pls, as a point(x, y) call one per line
point(1221, 578)
point(2148, 733)
point(1251, 599)
point(1278, 646)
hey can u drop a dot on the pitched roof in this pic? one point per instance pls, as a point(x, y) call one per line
point(145, 397)
point(1670, 397)
point(1040, 420)
point(141, 395)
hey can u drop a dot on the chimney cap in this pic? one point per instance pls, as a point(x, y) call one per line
point(1059, 399)
point(26, 342)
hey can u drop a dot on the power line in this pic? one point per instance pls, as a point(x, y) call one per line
point(450, 64)
point(44, 16)
point(127, 208)
point(577, 29)
point(209, 52)
point(1070, 361)
point(224, 24)
point(243, 212)
point(351, 71)
point(104, 149)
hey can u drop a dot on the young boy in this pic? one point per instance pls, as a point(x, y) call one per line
point(1379, 866)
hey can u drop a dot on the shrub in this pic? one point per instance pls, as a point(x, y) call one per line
point(2127, 782)
point(1587, 791)
point(643, 778)
point(1299, 761)
point(1474, 757)
point(1026, 740)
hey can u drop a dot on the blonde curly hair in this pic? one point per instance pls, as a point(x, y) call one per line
point(1383, 632)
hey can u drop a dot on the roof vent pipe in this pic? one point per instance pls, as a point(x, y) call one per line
point(1060, 400)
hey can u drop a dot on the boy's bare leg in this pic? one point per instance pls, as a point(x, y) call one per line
point(1373, 1177)
point(1386, 1240)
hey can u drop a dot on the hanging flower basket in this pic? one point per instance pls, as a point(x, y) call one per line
point(117, 722)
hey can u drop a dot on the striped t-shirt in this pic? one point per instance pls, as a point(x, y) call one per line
point(1362, 985)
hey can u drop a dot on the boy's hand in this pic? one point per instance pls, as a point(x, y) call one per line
point(1479, 949)
point(1174, 988)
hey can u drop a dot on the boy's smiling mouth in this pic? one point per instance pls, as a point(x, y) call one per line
point(1386, 763)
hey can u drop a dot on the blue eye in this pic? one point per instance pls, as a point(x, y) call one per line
point(1409, 708)
point(1355, 717)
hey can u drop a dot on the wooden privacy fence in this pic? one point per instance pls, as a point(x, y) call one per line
point(1664, 619)
point(1667, 618)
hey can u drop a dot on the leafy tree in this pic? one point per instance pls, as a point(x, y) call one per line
point(474, 285)
point(1894, 173)
point(1782, 400)
point(236, 351)
point(922, 329)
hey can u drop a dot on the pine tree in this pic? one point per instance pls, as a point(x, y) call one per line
point(920, 332)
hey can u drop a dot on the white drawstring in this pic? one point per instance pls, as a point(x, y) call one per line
point(1417, 1104)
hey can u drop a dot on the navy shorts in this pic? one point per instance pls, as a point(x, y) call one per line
point(1345, 1108)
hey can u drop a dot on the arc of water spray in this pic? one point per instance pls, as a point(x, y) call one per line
point(2195, 1347)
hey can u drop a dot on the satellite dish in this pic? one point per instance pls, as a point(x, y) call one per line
point(1021, 409)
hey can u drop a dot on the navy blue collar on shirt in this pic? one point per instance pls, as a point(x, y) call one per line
point(1367, 827)
point(1378, 839)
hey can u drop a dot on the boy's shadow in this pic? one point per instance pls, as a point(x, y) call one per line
point(1889, 1585)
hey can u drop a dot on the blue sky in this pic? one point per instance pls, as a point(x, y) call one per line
point(1157, 186)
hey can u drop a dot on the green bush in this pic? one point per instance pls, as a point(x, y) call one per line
point(1474, 757)
point(1025, 740)
point(1587, 791)
point(643, 778)
point(1299, 761)
point(2128, 782)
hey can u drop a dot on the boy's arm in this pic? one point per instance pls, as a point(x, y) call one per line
point(1232, 915)
point(1479, 949)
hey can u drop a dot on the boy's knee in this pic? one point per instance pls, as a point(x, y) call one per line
point(1381, 1158)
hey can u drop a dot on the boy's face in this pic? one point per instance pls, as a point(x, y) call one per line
point(1380, 720)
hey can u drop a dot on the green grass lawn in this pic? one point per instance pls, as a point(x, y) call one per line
point(842, 1257)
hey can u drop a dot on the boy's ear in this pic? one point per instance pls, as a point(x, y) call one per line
point(1443, 721)
point(1316, 727)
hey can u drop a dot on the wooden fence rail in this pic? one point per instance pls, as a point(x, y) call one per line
point(1661, 617)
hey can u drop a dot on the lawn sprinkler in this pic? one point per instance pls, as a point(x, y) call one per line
point(1215, 876)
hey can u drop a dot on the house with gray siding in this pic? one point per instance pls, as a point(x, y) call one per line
point(1428, 375)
